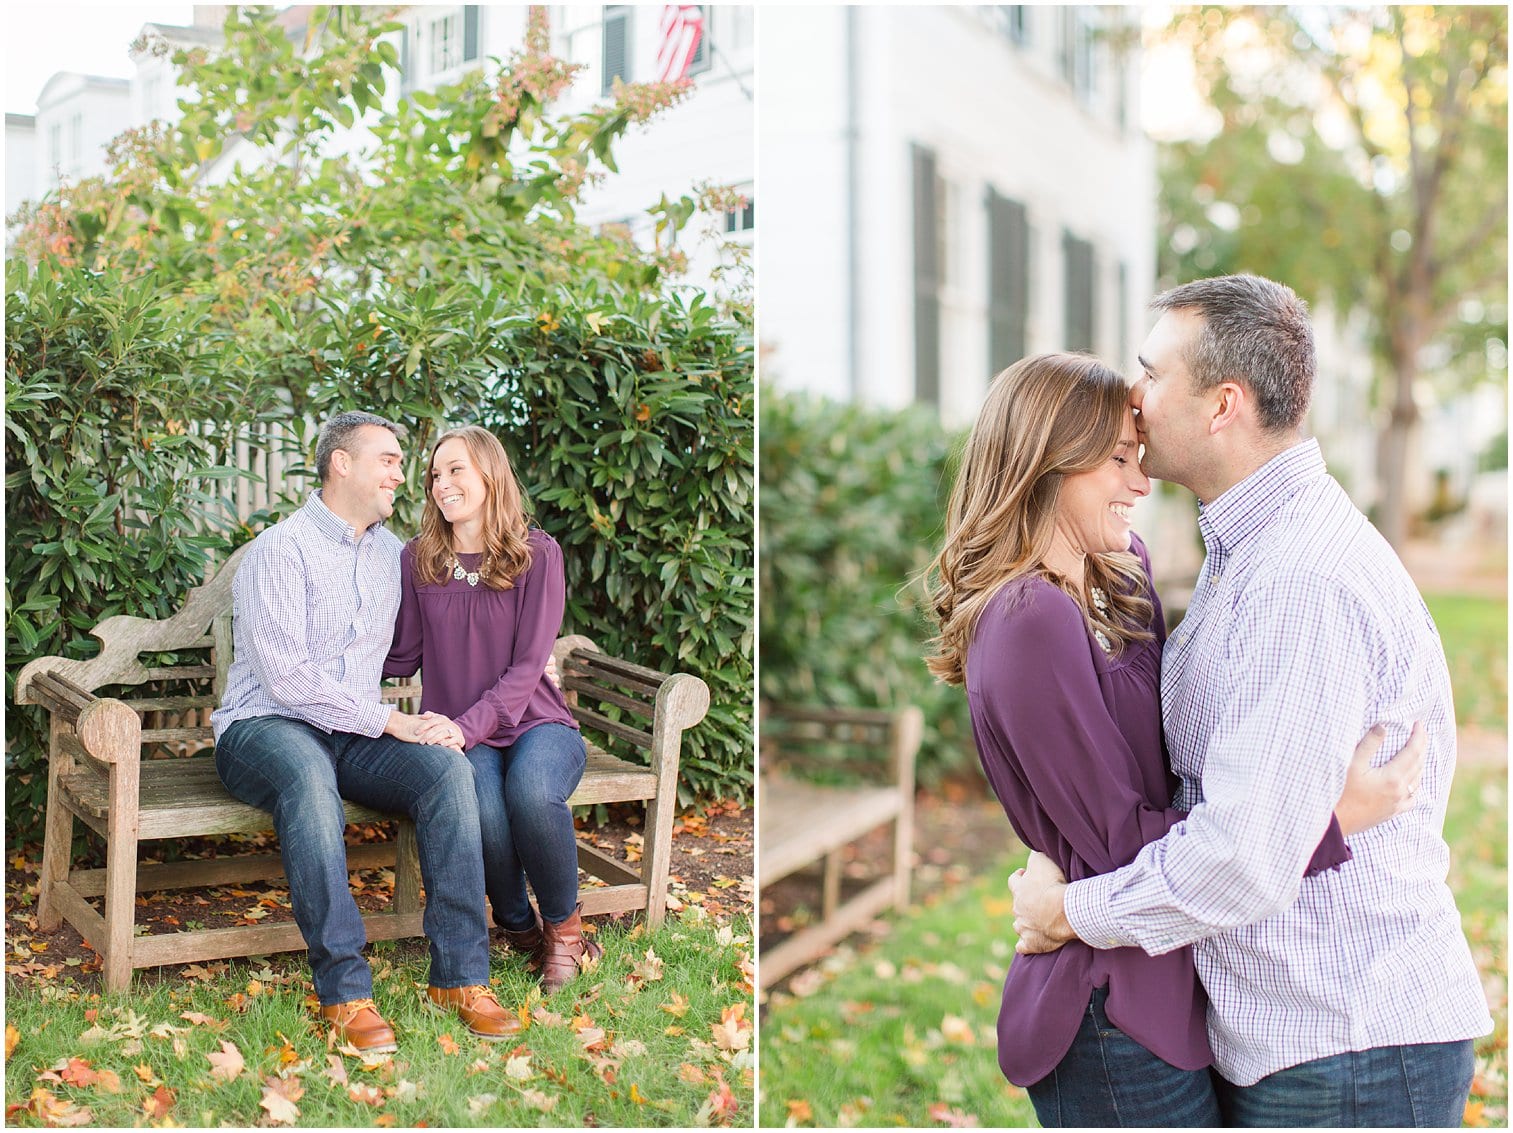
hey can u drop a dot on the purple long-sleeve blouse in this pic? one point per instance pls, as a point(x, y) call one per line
point(1070, 740)
point(483, 652)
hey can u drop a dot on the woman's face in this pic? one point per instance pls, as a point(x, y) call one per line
point(456, 484)
point(1093, 511)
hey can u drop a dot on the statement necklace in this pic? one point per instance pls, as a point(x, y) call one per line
point(1100, 600)
point(472, 576)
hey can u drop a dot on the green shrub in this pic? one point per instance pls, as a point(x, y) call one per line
point(853, 509)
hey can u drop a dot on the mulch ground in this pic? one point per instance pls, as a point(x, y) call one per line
point(712, 856)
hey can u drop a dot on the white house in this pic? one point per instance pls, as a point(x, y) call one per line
point(77, 116)
point(947, 189)
point(20, 161)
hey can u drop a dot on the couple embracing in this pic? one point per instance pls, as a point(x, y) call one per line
point(1236, 913)
point(326, 604)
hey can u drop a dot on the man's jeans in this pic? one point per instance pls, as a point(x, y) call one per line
point(527, 824)
point(1107, 1079)
point(300, 775)
point(1421, 1086)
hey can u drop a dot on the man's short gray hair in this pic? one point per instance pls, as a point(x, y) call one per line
point(338, 433)
point(1255, 332)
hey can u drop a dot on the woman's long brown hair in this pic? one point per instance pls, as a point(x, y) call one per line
point(506, 550)
point(1044, 418)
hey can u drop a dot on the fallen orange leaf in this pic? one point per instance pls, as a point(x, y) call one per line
point(158, 1105)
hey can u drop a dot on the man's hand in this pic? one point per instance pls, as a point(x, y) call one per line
point(1039, 911)
point(427, 728)
point(1375, 794)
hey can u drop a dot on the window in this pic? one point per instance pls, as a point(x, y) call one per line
point(616, 55)
point(1008, 281)
point(742, 219)
point(55, 145)
point(703, 55)
point(76, 139)
point(1077, 257)
point(1012, 21)
point(445, 36)
point(1078, 34)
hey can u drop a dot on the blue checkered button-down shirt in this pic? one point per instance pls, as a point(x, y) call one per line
point(313, 615)
point(1303, 632)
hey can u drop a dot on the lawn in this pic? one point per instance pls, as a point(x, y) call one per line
point(902, 1032)
point(658, 1034)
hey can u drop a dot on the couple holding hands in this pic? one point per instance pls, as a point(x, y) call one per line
point(329, 602)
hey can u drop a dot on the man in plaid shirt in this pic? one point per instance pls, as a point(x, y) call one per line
point(1349, 997)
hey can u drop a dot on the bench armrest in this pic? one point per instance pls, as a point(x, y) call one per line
point(109, 730)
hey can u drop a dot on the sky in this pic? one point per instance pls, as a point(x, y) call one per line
point(43, 39)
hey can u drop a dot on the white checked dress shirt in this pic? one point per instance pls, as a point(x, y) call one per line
point(1303, 632)
point(313, 615)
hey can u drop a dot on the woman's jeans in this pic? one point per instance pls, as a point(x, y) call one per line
point(1108, 1079)
point(300, 775)
point(527, 824)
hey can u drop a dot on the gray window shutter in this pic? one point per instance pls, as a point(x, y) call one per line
point(1008, 280)
point(469, 32)
point(1080, 321)
point(405, 68)
point(926, 280)
point(616, 45)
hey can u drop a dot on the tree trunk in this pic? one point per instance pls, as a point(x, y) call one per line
point(1393, 448)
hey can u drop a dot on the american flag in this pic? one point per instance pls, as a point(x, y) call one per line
point(682, 28)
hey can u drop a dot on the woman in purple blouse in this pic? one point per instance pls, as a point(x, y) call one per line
point(481, 603)
point(1048, 616)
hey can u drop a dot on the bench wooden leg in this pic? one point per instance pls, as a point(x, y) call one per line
point(903, 856)
point(120, 877)
point(407, 870)
point(57, 849)
point(656, 855)
point(830, 894)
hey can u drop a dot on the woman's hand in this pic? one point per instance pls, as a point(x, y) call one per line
point(1374, 794)
point(439, 730)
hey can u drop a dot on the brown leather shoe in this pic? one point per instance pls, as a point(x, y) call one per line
point(528, 942)
point(477, 1008)
point(566, 951)
point(358, 1022)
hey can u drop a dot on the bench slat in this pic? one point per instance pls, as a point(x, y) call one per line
point(801, 822)
point(613, 728)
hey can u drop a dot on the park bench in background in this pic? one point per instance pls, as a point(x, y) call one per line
point(804, 822)
point(139, 769)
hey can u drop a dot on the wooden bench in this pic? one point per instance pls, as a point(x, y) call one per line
point(804, 823)
point(138, 769)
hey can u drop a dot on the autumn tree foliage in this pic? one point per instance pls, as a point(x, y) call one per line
point(1360, 155)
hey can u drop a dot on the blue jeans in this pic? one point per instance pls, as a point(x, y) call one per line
point(1421, 1086)
point(1108, 1079)
point(300, 775)
point(527, 824)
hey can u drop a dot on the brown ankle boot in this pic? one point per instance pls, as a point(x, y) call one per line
point(528, 942)
point(566, 951)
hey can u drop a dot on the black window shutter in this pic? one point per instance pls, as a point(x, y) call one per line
point(926, 280)
point(1079, 292)
point(469, 32)
point(1008, 280)
point(616, 40)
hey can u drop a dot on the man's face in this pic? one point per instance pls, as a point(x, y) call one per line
point(374, 472)
point(1171, 419)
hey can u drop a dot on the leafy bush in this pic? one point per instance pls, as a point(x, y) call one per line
point(853, 509)
point(110, 496)
point(440, 279)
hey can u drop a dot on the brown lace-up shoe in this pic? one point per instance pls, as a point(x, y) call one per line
point(358, 1022)
point(477, 1008)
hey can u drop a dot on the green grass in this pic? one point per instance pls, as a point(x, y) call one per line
point(1475, 634)
point(902, 1033)
point(634, 1042)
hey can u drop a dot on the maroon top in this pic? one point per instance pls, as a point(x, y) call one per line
point(484, 651)
point(1070, 740)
